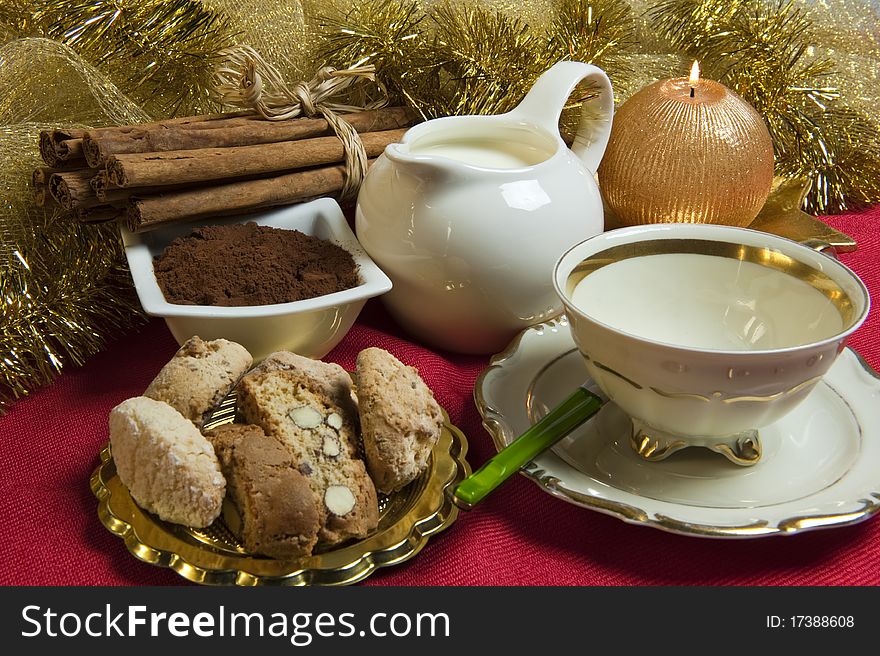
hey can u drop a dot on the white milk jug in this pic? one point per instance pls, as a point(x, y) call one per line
point(468, 214)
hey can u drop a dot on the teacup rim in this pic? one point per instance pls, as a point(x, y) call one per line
point(666, 228)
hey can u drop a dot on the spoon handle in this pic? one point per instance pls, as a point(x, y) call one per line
point(560, 421)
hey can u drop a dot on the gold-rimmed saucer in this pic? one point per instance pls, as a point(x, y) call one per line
point(213, 556)
point(820, 468)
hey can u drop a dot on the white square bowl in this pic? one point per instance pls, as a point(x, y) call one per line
point(310, 327)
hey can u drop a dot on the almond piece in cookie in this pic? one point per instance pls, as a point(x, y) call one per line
point(199, 376)
point(322, 442)
point(279, 516)
point(325, 377)
point(400, 420)
point(167, 465)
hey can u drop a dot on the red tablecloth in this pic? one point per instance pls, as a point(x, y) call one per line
point(521, 535)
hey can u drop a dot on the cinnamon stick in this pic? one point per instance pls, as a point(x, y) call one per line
point(201, 122)
point(106, 192)
point(117, 195)
point(199, 165)
point(71, 188)
point(40, 176)
point(147, 213)
point(40, 185)
point(70, 149)
point(41, 194)
point(47, 150)
point(99, 145)
point(98, 214)
point(57, 146)
point(100, 184)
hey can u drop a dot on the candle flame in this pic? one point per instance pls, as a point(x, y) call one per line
point(695, 73)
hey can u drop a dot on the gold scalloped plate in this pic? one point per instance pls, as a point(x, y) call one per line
point(213, 556)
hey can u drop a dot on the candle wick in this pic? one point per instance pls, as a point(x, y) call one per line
point(692, 92)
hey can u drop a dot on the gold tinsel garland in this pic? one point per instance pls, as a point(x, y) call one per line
point(461, 58)
point(65, 290)
point(810, 68)
point(161, 52)
point(64, 287)
point(457, 58)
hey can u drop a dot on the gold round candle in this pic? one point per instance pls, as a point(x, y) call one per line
point(687, 150)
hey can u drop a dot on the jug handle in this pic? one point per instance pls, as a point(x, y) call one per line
point(544, 102)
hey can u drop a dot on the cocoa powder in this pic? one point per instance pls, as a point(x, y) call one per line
point(249, 264)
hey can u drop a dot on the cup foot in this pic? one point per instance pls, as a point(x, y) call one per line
point(651, 444)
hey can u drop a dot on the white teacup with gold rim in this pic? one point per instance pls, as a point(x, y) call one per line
point(703, 334)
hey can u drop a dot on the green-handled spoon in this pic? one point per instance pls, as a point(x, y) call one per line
point(558, 423)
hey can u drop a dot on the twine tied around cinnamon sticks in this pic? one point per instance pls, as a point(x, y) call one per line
point(250, 82)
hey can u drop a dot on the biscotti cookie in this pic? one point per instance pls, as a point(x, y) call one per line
point(400, 420)
point(278, 513)
point(323, 444)
point(199, 376)
point(167, 465)
point(325, 377)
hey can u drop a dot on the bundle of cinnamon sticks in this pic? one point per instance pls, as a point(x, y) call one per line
point(201, 166)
